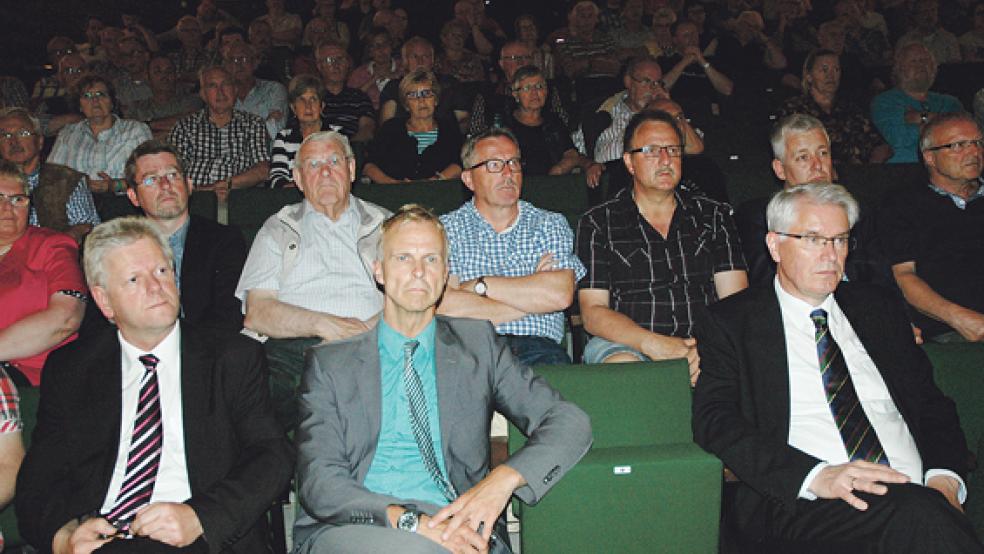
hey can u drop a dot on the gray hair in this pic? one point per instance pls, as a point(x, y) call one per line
point(793, 123)
point(108, 236)
point(926, 135)
point(10, 170)
point(303, 83)
point(468, 150)
point(23, 113)
point(325, 136)
point(784, 207)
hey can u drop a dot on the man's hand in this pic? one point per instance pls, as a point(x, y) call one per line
point(593, 174)
point(73, 538)
point(968, 323)
point(275, 115)
point(168, 522)
point(917, 334)
point(949, 487)
point(479, 507)
point(335, 328)
point(463, 541)
point(840, 481)
point(662, 347)
point(546, 263)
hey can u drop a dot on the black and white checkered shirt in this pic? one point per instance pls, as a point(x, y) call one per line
point(655, 281)
point(213, 153)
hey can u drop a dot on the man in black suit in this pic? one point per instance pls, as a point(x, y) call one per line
point(197, 456)
point(208, 256)
point(786, 367)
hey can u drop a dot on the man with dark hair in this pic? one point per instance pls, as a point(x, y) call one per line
point(208, 257)
point(347, 110)
point(654, 253)
point(260, 97)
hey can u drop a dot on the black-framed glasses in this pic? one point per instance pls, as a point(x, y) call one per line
point(957, 146)
point(655, 150)
point(154, 181)
point(19, 134)
point(423, 93)
point(646, 81)
point(15, 200)
point(531, 87)
point(495, 165)
point(813, 241)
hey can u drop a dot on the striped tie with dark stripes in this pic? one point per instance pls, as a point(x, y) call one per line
point(856, 431)
point(144, 457)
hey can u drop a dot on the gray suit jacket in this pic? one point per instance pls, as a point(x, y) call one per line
point(340, 412)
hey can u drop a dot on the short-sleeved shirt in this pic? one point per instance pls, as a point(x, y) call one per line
point(79, 149)
point(343, 110)
point(213, 153)
point(477, 250)
point(80, 208)
point(655, 281)
point(41, 263)
point(852, 135)
point(888, 114)
point(265, 97)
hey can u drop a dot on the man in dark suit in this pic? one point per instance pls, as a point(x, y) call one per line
point(208, 256)
point(394, 432)
point(197, 456)
point(823, 406)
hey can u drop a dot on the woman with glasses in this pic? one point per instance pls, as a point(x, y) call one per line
point(420, 146)
point(99, 144)
point(305, 98)
point(543, 139)
point(41, 287)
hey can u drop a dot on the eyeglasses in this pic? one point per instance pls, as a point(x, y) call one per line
point(646, 81)
point(15, 200)
point(495, 165)
point(329, 60)
point(958, 146)
point(819, 242)
point(530, 88)
point(332, 162)
point(23, 133)
point(94, 94)
point(61, 52)
point(239, 60)
point(73, 70)
point(518, 58)
point(154, 181)
point(656, 150)
point(423, 93)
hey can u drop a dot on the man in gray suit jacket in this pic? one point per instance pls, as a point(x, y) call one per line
point(394, 433)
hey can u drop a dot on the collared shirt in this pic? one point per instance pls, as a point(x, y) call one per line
point(177, 242)
point(79, 209)
point(609, 144)
point(213, 153)
point(811, 425)
point(478, 250)
point(263, 98)
point(172, 475)
point(397, 467)
point(329, 276)
point(130, 91)
point(10, 418)
point(653, 280)
point(958, 200)
point(79, 149)
point(343, 110)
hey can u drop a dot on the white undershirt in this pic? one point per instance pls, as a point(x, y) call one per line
point(811, 425)
point(172, 475)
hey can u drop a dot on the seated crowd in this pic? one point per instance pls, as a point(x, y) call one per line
point(174, 358)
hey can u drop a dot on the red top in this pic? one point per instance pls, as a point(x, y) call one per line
point(40, 263)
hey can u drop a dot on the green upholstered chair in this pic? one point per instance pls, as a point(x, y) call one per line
point(249, 208)
point(565, 194)
point(440, 196)
point(110, 206)
point(644, 486)
point(29, 397)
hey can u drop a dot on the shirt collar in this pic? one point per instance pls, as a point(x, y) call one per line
point(956, 198)
point(799, 309)
point(392, 341)
point(179, 236)
point(168, 351)
point(473, 211)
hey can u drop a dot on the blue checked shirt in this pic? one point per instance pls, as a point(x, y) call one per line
point(79, 209)
point(477, 250)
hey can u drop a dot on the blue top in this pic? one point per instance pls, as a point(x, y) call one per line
point(177, 242)
point(397, 467)
point(888, 113)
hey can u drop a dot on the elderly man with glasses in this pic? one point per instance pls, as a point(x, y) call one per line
point(348, 110)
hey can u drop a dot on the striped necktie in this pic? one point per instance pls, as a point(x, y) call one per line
point(144, 456)
point(420, 423)
point(856, 431)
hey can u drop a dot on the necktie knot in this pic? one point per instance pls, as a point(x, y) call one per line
point(819, 318)
point(410, 347)
point(149, 361)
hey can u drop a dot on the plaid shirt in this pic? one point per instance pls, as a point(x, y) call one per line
point(10, 419)
point(79, 209)
point(657, 282)
point(77, 148)
point(477, 250)
point(213, 153)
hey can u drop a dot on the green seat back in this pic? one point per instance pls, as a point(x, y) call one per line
point(110, 206)
point(564, 194)
point(249, 208)
point(440, 196)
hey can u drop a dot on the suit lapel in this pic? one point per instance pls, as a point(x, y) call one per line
point(768, 357)
point(197, 402)
point(104, 388)
point(368, 381)
point(452, 366)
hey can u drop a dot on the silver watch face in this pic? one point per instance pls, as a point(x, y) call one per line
point(408, 521)
point(481, 288)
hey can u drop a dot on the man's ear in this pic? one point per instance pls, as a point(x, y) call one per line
point(772, 243)
point(466, 178)
point(99, 294)
point(377, 271)
point(778, 169)
point(627, 160)
point(131, 193)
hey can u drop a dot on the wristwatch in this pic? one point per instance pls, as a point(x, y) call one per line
point(409, 519)
point(924, 117)
point(481, 288)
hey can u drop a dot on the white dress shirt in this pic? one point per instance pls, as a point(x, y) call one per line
point(172, 476)
point(811, 424)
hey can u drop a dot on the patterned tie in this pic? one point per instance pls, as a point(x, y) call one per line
point(420, 423)
point(145, 449)
point(856, 431)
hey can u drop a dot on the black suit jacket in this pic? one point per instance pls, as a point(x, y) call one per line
point(741, 402)
point(238, 457)
point(213, 259)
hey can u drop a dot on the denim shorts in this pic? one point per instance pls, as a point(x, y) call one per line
point(598, 349)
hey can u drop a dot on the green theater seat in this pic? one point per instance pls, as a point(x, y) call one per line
point(249, 208)
point(440, 196)
point(644, 486)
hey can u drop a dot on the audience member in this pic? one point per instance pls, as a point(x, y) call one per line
point(169, 102)
point(132, 85)
point(854, 140)
point(273, 62)
point(868, 45)
point(587, 55)
point(972, 42)
point(152, 429)
point(512, 263)
point(308, 276)
point(321, 29)
point(107, 64)
point(784, 367)
point(698, 84)
point(351, 500)
point(57, 111)
point(899, 113)
point(191, 57)
point(304, 98)
point(418, 54)
point(528, 33)
point(50, 86)
point(41, 284)
point(481, 31)
point(208, 257)
point(372, 76)
point(456, 60)
point(654, 253)
point(61, 201)
point(927, 31)
point(260, 97)
point(93, 26)
point(929, 233)
point(631, 34)
point(99, 144)
point(421, 146)
point(222, 148)
point(347, 110)
point(794, 30)
point(285, 27)
point(661, 42)
point(751, 58)
point(11, 441)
